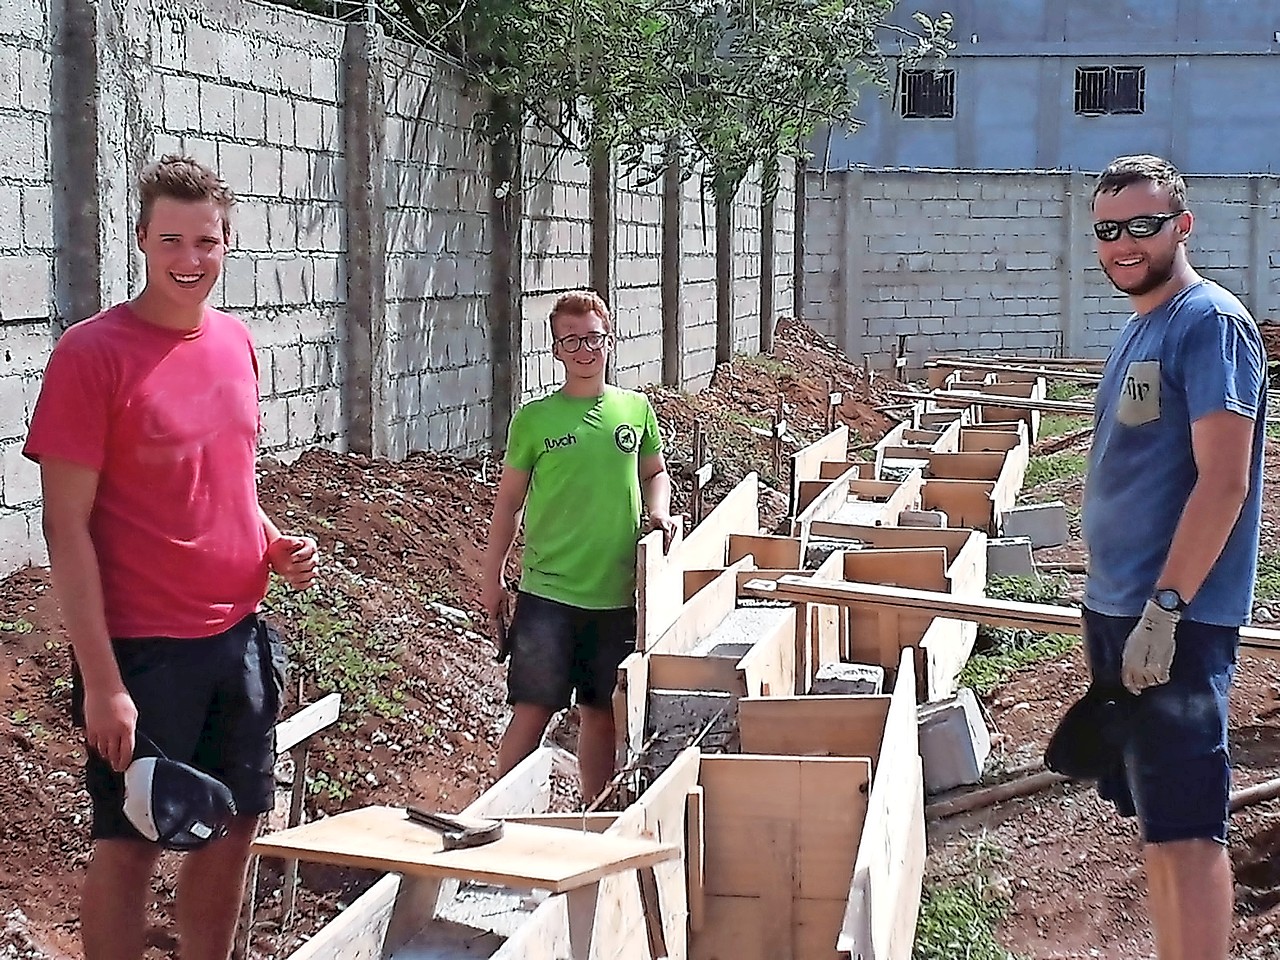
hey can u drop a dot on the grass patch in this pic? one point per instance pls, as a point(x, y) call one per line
point(1273, 431)
point(1055, 466)
point(999, 652)
point(768, 364)
point(958, 917)
point(1060, 424)
point(1268, 583)
point(1067, 390)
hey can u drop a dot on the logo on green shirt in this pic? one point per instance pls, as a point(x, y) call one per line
point(626, 438)
point(553, 443)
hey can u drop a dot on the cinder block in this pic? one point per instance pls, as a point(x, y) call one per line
point(848, 678)
point(1044, 523)
point(954, 742)
point(1010, 557)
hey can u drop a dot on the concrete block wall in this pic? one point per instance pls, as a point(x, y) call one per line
point(638, 280)
point(1002, 262)
point(26, 266)
point(783, 275)
point(746, 265)
point(254, 91)
point(437, 277)
point(556, 238)
point(699, 288)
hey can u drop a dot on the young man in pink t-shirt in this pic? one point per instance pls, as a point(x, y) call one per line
point(146, 434)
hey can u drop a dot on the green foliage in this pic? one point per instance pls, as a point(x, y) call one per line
point(16, 626)
point(1067, 390)
point(1268, 583)
point(1055, 466)
point(1060, 424)
point(338, 653)
point(729, 83)
point(959, 916)
point(999, 652)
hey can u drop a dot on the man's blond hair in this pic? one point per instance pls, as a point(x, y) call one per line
point(185, 179)
point(577, 303)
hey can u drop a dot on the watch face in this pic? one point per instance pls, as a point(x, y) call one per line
point(1168, 599)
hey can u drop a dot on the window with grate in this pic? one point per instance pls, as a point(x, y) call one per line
point(927, 94)
point(1103, 90)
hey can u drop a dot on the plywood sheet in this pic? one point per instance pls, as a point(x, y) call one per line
point(383, 838)
point(837, 726)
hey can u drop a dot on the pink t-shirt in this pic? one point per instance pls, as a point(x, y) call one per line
point(169, 419)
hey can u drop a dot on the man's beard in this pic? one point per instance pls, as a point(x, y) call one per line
point(1157, 274)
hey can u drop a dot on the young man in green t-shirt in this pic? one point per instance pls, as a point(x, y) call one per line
point(578, 461)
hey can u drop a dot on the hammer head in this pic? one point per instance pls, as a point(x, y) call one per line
point(457, 833)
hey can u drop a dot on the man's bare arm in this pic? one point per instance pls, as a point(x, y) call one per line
point(110, 716)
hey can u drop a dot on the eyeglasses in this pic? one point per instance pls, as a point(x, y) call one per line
point(572, 343)
point(1140, 228)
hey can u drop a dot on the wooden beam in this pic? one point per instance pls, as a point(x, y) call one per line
point(969, 398)
point(309, 720)
point(1039, 370)
point(997, 613)
point(805, 463)
point(833, 726)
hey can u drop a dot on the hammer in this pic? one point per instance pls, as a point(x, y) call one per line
point(456, 832)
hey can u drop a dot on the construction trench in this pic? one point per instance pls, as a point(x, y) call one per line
point(771, 799)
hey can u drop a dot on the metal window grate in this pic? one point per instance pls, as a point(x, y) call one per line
point(1110, 90)
point(927, 94)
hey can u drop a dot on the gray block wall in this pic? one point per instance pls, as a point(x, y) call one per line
point(26, 265)
point(638, 281)
point(746, 266)
point(699, 293)
point(1001, 262)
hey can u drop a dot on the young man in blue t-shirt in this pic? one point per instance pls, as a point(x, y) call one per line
point(1171, 516)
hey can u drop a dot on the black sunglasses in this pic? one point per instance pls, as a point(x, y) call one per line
point(1140, 228)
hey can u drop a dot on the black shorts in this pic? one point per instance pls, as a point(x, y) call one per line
point(211, 702)
point(557, 649)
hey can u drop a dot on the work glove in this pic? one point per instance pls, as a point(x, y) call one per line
point(1148, 653)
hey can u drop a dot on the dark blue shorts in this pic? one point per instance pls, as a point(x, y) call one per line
point(1176, 777)
point(211, 702)
point(557, 650)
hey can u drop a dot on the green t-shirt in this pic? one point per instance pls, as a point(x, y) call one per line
point(582, 514)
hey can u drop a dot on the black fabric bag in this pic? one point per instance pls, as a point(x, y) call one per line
point(174, 804)
point(1090, 739)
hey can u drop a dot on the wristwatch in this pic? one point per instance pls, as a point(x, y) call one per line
point(1170, 600)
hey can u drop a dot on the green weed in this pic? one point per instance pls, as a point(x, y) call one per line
point(959, 916)
point(16, 626)
point(1067, 390)
point(1055, 466)
point(999, 652)
point(1273, 431)
point(779, 368)
point(1060, 424)
point(1268, 583)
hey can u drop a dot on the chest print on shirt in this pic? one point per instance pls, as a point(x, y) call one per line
point(1140, 393)
point(626, 438)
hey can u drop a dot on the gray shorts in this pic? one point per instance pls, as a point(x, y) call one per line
point(557, 650)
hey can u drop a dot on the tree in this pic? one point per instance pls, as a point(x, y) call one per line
point(728, 84)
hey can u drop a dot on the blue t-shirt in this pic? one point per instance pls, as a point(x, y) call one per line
point(1197, 353)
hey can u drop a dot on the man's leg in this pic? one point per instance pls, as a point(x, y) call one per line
point(523, 735)
point(114, 899)
point(210, 892)
point(1191, 899)
point(597, 750)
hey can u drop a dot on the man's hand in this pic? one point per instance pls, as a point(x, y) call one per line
point(495, 599)
point(663, 522)
point(1148, 653)
point(296, 559)
point(109, 725)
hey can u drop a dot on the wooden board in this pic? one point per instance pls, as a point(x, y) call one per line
point(702, 614)
point(660, 577)
point(769, 667)
point(361, 931)
point(692, 672)
point(924, 568)
point(884, 896)
point(806, 462)
point(965, 466)
point(945, 647)
point(834, 726)
point(967, 503)
point(769, 550)
point(997, 613)
point(527, 856)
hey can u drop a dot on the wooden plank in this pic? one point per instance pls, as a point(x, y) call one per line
point(945, 645)
point(776, 885)
point(695, 580)
point(924, 568)
point(806, 462)
point(965, 466)
point(631, 707)
point(1032, 368)
point(660, 577)
point(838, 726)
point(770, 665)
point(769, 550)
point(693, 672)
point(978, 439)
point(967, 503)
point(734, 930)
point(703, 613)
point(588, 822)
point(384, 838)
point(888, 538)
point(309, 720)
point(819, 502)
point(695, 859)
point(969, 398)
point(745, 576)
point(836, 468)
point(890, 862)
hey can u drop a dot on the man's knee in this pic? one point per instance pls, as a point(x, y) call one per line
point(128, 861)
